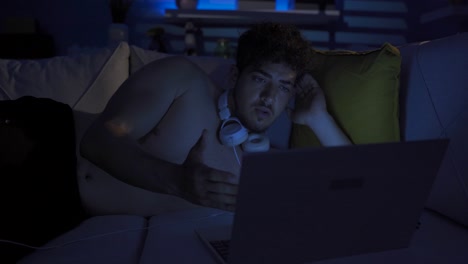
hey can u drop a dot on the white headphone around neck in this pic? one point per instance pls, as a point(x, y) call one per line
point(233, 133)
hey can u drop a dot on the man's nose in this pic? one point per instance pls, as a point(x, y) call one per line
point(268, 95)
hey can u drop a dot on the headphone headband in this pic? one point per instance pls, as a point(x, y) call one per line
point(223, 109)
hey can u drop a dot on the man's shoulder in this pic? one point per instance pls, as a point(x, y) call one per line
point(173, 62)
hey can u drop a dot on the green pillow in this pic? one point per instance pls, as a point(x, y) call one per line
point(361, 90)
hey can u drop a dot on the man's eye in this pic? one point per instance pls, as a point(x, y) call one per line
point(285, 89)
point(258, 79)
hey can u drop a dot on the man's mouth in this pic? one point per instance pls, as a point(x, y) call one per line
point(263, 112)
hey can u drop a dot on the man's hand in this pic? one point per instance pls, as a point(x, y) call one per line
point(311, 110)
point(310, 101)
point(205, 185)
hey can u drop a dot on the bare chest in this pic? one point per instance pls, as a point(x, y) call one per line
point(176, 134)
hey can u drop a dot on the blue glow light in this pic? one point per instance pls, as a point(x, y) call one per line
point(217, 4)
point(282, 5)
point(162, 5)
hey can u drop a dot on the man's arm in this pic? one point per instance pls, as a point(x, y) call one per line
point(327, 131)
point(311, 110)
point(134, 110)
point(136, 107)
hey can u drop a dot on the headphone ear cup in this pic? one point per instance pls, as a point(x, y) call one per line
point(256, 143)
point(232, 132)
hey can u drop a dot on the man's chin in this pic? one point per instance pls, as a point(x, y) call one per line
point(258, 127)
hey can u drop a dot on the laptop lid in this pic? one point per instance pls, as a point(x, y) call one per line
point(310, 204)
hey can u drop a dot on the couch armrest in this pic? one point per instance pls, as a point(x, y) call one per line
point(433, 100)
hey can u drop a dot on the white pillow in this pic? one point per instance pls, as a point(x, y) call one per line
point(85, 81)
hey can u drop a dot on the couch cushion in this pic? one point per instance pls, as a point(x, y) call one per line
point(361, 89)
point(100, 239)
point(434, 105)
point(85, 82)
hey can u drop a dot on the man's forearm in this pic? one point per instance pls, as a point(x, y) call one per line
point(328, 131)
point(124, 159)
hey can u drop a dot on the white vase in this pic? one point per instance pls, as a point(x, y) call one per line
point(117, 33)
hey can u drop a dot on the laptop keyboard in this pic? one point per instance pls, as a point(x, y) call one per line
point(222, 247)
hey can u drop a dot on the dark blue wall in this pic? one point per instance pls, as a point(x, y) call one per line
point(82, 22)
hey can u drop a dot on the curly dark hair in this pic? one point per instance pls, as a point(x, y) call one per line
point(275, 43)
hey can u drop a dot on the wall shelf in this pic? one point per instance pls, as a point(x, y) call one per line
point(244, 18)
point(316, 19)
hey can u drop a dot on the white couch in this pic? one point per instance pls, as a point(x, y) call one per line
point(434, 91)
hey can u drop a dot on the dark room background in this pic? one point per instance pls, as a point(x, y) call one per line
point(84, 23)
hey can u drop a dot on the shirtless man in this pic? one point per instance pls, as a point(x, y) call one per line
point(159, 131)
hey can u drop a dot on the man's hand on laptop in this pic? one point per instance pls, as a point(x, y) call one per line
point(204, 185)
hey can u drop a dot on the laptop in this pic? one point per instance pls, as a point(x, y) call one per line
point(311, 204)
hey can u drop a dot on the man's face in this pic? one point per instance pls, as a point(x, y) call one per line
point(262, 93)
